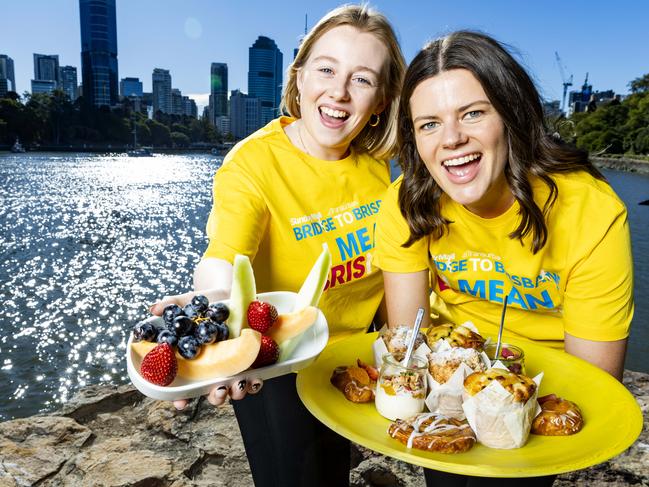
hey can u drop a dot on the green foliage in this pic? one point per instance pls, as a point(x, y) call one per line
point(53, 119)
point(617, 128)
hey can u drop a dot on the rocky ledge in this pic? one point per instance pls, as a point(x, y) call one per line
point(109, 436)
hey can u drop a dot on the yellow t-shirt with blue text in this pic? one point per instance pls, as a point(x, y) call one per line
point(580, 282)
point(278, 205)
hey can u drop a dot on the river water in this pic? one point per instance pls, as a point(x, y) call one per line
point(88, 242)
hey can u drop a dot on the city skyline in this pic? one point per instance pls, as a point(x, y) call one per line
point(609, 44)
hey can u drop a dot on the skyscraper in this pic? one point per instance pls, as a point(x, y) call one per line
point(245, 114)
point(177, 106)
point(7, 72)
point(161, 82)
point(68, 81)
point(46, 67)
point(99, 51)
point(130, 87)
point(218, 91)
point(265, 76)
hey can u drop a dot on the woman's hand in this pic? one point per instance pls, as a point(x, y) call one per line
point(236, 390)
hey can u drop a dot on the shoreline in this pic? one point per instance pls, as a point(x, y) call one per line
point(621, 164)
point(107, 435)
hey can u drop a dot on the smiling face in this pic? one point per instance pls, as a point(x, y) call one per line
point(340, 88)
point(461, 139)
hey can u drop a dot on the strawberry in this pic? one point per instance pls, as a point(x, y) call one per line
point(268, 352)
point(159, 366)
point(261, 316)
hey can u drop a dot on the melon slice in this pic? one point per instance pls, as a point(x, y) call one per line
point(220, 359)
point(289, 325)
point(313, 285)
point(244, 291)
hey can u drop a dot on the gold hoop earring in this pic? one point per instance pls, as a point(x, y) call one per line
point(372, 123)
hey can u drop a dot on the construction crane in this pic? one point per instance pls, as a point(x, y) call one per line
point(566, 82)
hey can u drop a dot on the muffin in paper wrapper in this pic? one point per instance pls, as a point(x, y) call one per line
point(497, 420)
point(447, 398)
point(380, 348)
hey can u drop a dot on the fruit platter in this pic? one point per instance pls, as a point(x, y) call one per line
point(190, 350)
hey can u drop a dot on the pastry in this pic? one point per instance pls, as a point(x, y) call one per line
point(354, 382)
point(442, 365)
point(433, 432)
point(396, 339)
point(519, 386)
point(558, 417)
point(456, 336)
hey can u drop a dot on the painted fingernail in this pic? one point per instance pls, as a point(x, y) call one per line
point(242, 385)
point(221, 388)
point(255, 387)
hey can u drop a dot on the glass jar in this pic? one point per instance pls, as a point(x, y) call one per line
point(510, 355)
point(400, 390)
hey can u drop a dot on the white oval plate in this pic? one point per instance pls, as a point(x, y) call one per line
point(312, 343)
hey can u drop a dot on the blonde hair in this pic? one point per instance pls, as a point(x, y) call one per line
point(379, 141)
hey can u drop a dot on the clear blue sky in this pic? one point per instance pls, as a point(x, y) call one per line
point(609, 40)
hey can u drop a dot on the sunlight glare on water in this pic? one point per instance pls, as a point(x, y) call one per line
point(89, 242)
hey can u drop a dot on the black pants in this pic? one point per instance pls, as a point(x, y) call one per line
point(435, 478)
point(286, 446)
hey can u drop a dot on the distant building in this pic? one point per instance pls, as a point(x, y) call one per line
point(176, 102)
point(586, 99)
point(189, 107)
point(218, 91)
point(99, 71)
point(146, 103)
point(4, 87)
point(46, 67)
point(222, 124)
point(552, 109)
point(43, 86)
point(7, 72)
point(265, 76)
point(130, 87)
point(161, 82)
point(245, 114)
point(68, 81)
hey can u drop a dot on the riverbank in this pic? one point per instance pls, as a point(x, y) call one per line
point(107, 436)
point(622, 164)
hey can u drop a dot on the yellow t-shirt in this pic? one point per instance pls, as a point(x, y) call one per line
point(278, 205)
point(580, 282)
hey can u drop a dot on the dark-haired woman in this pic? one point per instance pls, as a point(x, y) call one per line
point(489, 207)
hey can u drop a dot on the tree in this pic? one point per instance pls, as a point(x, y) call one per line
point(640, 85)
point(160, 134)
point(180, 140)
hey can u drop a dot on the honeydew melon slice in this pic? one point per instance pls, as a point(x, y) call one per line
point(313, 286)
point(244, 291)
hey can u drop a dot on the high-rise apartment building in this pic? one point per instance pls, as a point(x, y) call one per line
point(99, 51)
point(177, 106)
point(130, 87)
point(7, 72)
point(245, 114)
point(68, 81)
point(46, 67)
point(189, 107)
point(218, 91)
point(161, 82)
point(43, 86)
point(265, 76)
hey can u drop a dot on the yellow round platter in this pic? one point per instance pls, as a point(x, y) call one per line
point(612, 417)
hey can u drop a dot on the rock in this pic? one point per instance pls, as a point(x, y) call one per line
point(622, 164)
point(107, 436)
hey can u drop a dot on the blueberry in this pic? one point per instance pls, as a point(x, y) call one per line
point(200, 304)
point(168, 336)
point(170, 312)
point(223, 332)
point(144, 330)
point(190, 311)
point(218, 312)
point(205, 332)
point(182, 325)
point(188, 347)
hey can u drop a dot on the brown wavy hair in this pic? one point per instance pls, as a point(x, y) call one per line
point(379, 141)
point(532, 151)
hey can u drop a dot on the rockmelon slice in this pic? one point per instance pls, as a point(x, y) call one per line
point(313, 286)
point(221, 359)
point(292, 324)
point(244, 291)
